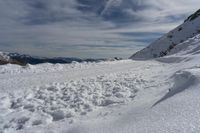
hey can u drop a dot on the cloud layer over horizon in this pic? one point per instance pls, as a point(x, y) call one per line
point(87, 28)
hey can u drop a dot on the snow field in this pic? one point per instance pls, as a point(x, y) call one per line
point(46, 98)
point(68, 100)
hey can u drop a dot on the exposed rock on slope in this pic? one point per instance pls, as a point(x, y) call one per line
point(5, 59)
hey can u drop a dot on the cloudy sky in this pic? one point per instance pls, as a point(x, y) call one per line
point(87, 28)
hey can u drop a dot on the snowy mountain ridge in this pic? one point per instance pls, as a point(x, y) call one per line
point(163, 46)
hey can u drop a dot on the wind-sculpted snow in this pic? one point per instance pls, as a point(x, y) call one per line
point(182, 80)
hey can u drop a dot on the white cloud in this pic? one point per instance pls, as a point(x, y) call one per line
point(69, 28)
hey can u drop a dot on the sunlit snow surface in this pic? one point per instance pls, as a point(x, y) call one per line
point(125, 96)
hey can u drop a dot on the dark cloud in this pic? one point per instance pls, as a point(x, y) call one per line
point(117, 11)
point(46, 11)
point(91, 6)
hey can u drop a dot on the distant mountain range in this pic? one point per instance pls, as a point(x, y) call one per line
point(22, 59)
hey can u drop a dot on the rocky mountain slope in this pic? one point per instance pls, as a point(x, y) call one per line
point(5, 59)
point(163, 46)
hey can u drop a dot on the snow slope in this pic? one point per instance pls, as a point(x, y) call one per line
point(162, 46)
point(125, 96)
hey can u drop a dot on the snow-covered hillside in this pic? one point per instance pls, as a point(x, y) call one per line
point(163, 46)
